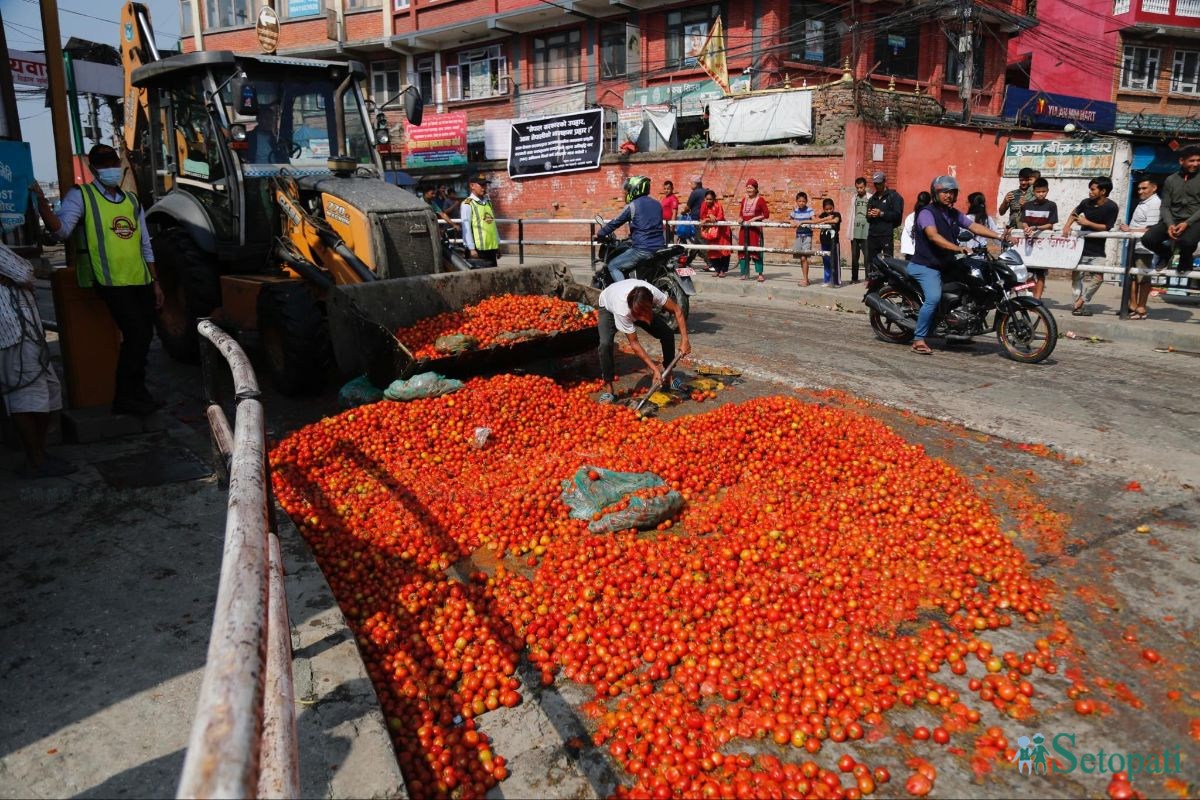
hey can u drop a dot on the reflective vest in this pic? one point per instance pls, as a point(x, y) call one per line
point(483, 224)
point(108, 241)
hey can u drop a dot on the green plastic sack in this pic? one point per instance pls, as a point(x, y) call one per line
point(358, 392)
point(426, 384)
point(587, 498)
point(642, 513)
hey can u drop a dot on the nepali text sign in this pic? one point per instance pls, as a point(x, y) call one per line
point(439, 141)
point(1048, 251)
point(1060, 158)
point(551, 145)
point(28, 68)
point(1056, 110)
point(16, 175)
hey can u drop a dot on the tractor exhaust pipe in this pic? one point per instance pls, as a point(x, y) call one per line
point(889, 310)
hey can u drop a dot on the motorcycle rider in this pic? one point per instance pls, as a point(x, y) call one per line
point(936, 247)
point(644, 215)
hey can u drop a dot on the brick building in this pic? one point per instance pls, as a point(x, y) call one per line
point(879, 64)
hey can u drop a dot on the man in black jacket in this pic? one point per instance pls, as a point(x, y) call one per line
point(885, 211)
point(1179, 221)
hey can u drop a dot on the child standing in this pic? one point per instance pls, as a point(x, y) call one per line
point(802, 215)
point(829, 242)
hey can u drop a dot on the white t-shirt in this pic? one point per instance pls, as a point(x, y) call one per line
point(908, 245)
point(615, 300)
point(1146, 215)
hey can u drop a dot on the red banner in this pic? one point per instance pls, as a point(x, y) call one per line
point(439, 141)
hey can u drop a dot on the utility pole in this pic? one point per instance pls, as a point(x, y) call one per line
point(966, 58)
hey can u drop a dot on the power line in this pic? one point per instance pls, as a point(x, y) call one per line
point(98, 19)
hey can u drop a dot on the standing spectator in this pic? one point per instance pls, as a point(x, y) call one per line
point(712, 211)
point(1038, 215)
point(695, 200)
point(429, 195)
point(113, 254)
point(1145, 216)
point(1180, 212)
point(478, 219)
point(443, 197)
point(670, 209)
point(830, 242)
point(27, 380)
point(977, 210)
point(754, 209)
point(696, 197)
point(1016, 198)
point(802, 215)
point(907, 230)
point(859, 225)
point(451, 204)
point(1096, 213)
point(885, 210)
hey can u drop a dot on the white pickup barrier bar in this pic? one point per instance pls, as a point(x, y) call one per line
point(243, 740)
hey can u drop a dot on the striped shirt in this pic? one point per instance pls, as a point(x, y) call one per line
point(16, 301)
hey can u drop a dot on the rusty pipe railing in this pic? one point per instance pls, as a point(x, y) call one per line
point(243, 740)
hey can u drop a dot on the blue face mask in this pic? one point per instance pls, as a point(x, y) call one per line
point(109, 176)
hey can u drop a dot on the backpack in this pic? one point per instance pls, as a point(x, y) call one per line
point(685, 231)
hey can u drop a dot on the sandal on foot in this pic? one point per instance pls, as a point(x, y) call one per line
point(804, 282)
point(761, 279)
point(1136, 315)
point(922, 348)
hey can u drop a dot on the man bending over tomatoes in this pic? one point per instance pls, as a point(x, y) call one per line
point(630, 304)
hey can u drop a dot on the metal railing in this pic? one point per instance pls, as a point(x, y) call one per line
point(243, 741)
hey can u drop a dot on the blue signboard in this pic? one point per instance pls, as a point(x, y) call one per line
point(1045, 110)
point(303, 8)
point(16, 175)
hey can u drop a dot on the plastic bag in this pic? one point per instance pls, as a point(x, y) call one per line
point(588, 497)
point(455, 343)
point(358, 392)
point(642, 513)
point(427, 384)
point(481, 437)
point(509, 337)
point(685, 231)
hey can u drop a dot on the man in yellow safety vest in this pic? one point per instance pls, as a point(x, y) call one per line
point(478, 218)
point(112, 254)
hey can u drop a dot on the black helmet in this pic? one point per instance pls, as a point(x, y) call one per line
point(940, 183)
point(636, 186)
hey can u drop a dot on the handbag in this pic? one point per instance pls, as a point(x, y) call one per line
point(710, 233)
point(685, 231)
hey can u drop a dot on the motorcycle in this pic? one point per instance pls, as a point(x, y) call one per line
point(975, 287)
point(664, 270)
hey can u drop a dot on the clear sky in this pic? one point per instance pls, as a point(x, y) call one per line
point(95, 20)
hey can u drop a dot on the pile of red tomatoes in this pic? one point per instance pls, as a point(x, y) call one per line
point(491, 318)
point(822, 572)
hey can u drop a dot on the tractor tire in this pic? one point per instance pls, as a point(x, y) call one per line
point(191, 286)
point(295, 338)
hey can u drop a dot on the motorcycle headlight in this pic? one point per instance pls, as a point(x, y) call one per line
point(1011, 256)
point(1020, 272)
point(976, 273)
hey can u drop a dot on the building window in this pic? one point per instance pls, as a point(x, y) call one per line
point(898, 51)
point(615, 40)
point(400, 5)
point(359, 5)
point(954, 61)
point(185, 18)
point(1185, 72)
point(686, 31)
point(385, 81)
point(556, 59)
point(1139, 68)
point(292, 9)
point(422, 78)
point(1120, 7)
point(227, 13)
point(478, 74)
point(814, 33)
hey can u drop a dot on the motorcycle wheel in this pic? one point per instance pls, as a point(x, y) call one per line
point(886, 329)
point(1028, 335)
point(670, 286)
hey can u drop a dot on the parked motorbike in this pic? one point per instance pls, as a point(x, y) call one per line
point(981, 293)
point(663, 270)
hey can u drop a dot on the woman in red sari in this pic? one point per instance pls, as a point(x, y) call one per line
point(754, 209)
point(711, 211)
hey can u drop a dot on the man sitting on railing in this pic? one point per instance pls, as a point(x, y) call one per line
point(1179, 221)
point(644, 215)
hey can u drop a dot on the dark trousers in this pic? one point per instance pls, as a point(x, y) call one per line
point(858, 249)
point(490, 256)
point(132, 308)
point(1157, 241)
point(878, 243)
point(657, 328)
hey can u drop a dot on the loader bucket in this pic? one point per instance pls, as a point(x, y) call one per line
point(363, 319)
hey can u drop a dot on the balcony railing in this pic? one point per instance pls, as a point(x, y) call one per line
point(1156, 6)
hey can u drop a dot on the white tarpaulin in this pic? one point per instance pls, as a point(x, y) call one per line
point(760, 118)
point(1049, 251)
point(90, 77)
